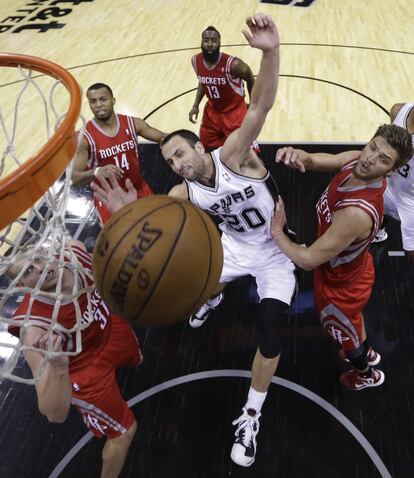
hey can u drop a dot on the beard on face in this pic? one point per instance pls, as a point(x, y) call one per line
point(210, 56)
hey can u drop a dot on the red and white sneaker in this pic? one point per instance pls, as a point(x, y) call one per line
point(354, 381)
point(374, 358)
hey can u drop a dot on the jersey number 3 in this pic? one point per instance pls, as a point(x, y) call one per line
point(404, 170)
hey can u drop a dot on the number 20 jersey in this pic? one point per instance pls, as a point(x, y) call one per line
point(244, 204)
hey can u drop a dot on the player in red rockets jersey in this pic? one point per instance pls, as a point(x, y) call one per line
point(220, 79)
point(349, 214)
point(110, 144)
point(87, 380)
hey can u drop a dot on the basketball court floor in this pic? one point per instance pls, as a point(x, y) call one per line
point(343, 65)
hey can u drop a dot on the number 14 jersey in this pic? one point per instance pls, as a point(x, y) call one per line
point(119, 149)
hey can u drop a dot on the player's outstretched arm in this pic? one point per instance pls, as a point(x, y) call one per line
point(302, 160)
point(262, 34)
point(82, 175)
point(148, 132)
point(179, 191)
point(347, 225)
point(54, 390)
point(111, 195)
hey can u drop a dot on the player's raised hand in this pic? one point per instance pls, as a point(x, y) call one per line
point(110, 193)
point(262, 33)
point(108, 169)
point(289, 157)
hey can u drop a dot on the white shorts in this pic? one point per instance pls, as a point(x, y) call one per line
point(272, 270)
point(401, 210)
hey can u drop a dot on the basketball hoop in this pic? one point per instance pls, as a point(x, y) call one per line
point(21, 188)
point(42, 231)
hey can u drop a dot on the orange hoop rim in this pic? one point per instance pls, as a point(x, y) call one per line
point(35, 163)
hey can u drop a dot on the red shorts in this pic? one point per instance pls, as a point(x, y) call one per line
point(95, 391)
point(216, 125)
point(340, 309)
point(104, 214)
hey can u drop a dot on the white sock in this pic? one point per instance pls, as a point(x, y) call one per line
point(255, 400)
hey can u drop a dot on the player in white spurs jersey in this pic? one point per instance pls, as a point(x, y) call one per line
point(399, 195)
point(233, 183)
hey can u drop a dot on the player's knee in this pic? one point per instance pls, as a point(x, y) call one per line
point(269, 326)
point(114, 446)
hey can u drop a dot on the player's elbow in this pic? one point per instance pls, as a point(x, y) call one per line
point(307, 262)
point(57, 415)
point(307, 266)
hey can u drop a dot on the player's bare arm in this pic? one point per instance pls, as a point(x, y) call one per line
point(240, 69)
point(148, 132)
point(193, 114)
point(82, 175)
point(111, 195)
point(179, 191)
point(348, 225)
point(303, 161)
point(263, 35)
point(53, 389)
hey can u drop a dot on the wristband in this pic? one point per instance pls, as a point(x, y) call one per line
point(96, 171)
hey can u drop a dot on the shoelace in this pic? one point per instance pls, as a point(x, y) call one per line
point(245, 429)
point(202, 311)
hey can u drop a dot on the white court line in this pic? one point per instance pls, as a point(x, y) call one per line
point(396, 253)
point(359, 437)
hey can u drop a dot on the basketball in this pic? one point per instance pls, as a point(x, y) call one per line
point(157, 260)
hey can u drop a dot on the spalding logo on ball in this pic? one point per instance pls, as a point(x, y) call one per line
point(157, 260)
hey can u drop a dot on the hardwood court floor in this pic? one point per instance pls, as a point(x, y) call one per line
point(343, 63)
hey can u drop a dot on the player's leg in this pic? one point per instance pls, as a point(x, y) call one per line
point(97, 397)
point(232, 269)
point(406, 213)
point(211, 129)
point(340, 315)
point(276, 285)
point(115, 452)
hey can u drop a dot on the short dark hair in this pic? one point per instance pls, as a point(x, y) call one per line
point(191, 138)
point(211, 29)
point(97, 86)
point(399, 139)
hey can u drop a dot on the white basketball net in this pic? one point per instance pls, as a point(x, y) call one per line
point(38, 237)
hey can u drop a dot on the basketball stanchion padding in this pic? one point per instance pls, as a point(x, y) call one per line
point(157, 260)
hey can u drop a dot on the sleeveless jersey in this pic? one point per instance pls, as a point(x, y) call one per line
point(121, 149)
point(222, 90)
point(93, 337)
point(401, 182)
point(345, 268)
point(244, 204)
